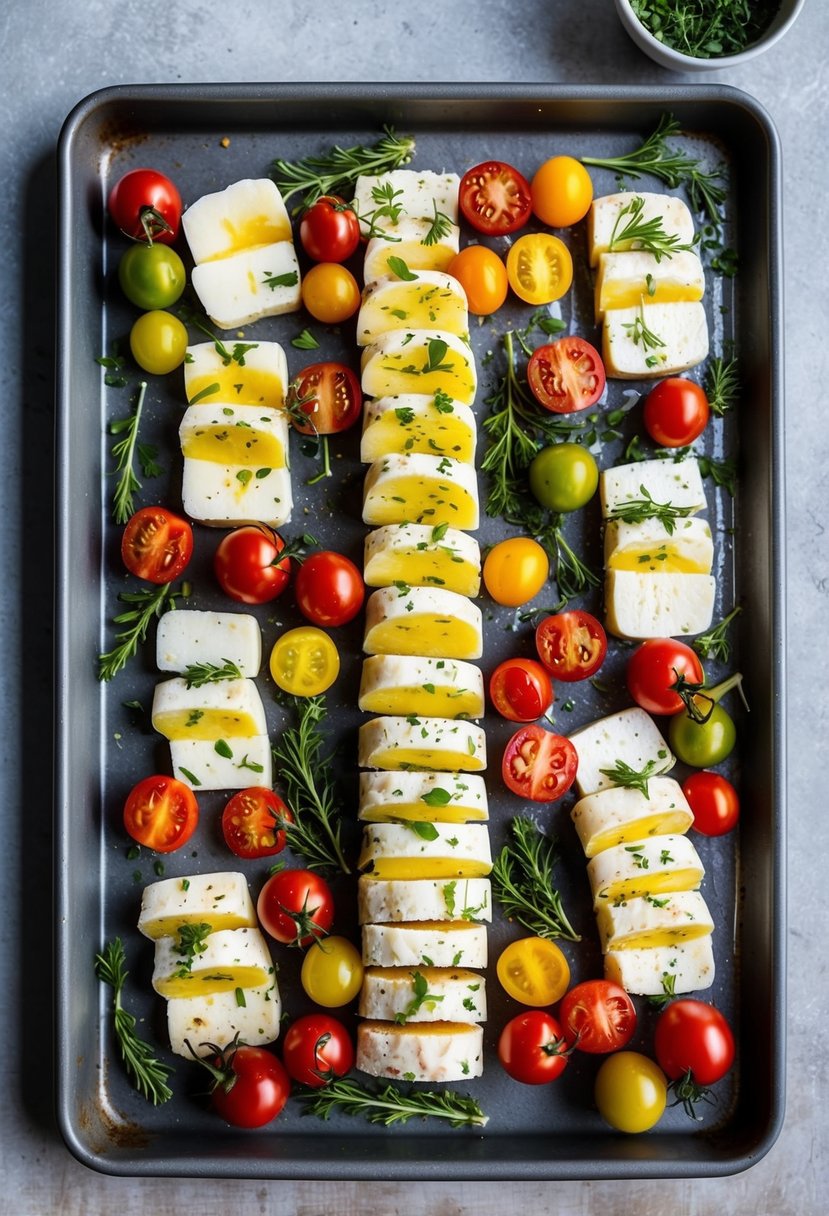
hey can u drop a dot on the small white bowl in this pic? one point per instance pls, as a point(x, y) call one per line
point(666, 57)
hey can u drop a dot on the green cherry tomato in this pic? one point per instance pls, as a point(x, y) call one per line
point(703, 744)
point(332, 972)
point(151, 276)
point(564, 476)
point(158, 342)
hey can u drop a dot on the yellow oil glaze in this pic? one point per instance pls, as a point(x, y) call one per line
point(425, 867)
point(655, 883)
point(426, 634)
point(234, 444)
point(437, 432)
point(628, 293)
point(422, 500)
point(660, 937)
point(388, 374)
point(659, 559)
point(442, 702)
point(413, 305)
point(432, 567)
point(166, 926)
point(241, 385)
point(666, 823)
point(415, 254)
point(205, 982)
point(250, 232)
point(206, 724)
point(446, 760)
point(419, 812)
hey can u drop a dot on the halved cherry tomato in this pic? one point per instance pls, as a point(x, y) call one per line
point(296, 907)
point(330, 395)
point(248, 565)
point(329, 229)
point(538, 764)
point(329, 589)
point(146, 205)
point(156, 545)
point(161, 813)
point(483, 276)
point(598, 1016)
point(253, 823)
point(332, 972)
point(316, 1049)
point(654, 670)
point(562, 191)
point(534, 971)
point(330, 293)
point(515, 570)
point(630, 1091)
point(531, 1048)
point(566, 375)
point(521, 690)
point(304, 661)
point(539, 268)
point(676, 412)
point(572, 645)
point(495, 198)
point(714, 801)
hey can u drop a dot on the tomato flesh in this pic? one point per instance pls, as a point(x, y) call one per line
point(538, 764)
point(253, 823)
point(539, 268)
point(156, 545)
point(521, 690)
point(566, 375)
point(598, 1016)
point(161, 813)
point(571, 645)
point(534, 971)
point(329, 395)
point(304, 661)
point(495, 198)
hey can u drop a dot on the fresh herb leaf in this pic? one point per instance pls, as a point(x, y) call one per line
point(399, 268)
point(722, 385)
point(421, 996)
point(289, 278)
point(305, 341)
point(148, 1075)
point(440, 227)
point(646, 234)
point(523, 882)
point(337, 171)
point(425, 830)
point(714, 644)
point(635, 510)
point(390, 1106)
point(436, 797)
point(630, 778)
point(146, 605)
point(128, 484)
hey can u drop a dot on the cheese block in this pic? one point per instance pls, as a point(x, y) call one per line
point(649, 547)
point(425, 944)
point(443, 744)
point(645, 867)
point(243, 287)
point(432, 623)
point(651, 920)
point(381, 900)
point(251, 1013)
point(244, 215)
point(412, 242)
point(677, 482)
point(205, 765)
point(226, 709)
point(221, 899)
point(630, 737)
point(383, 200)
point(425, 489)
point(247, 373)
point(434, 1052)
point(650, 340)
point(230, 959)
point(418, 422)
point(419, 361)
point(658, 605)
point(433, 850)
point(427, 299)
point(227, 495)
point(405, 684)
point(427, 994)
point(616, 815)
point(603, 219)
point(422, 797)
point(191, 636)
point(657, 970)
point(248, 435)
point(623, 280)
point(423, 555)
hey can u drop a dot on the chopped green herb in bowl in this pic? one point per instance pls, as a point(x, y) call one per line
point(699, 35)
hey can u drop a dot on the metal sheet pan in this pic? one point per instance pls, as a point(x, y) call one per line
point(205, 137)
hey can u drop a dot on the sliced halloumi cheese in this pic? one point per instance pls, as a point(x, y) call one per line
point(422, 994)
point(678, 482)
point(250, 373)
point(646, 867)
point(415, 244)
point(221, 899)
point(419, 361)
point(227, 495)
point(651, 920)
point(657, 970)
point(658, 605)
point(651, 340)
point(409, 684)
point(426, 621)
point(225, 709)
point(422, 797)
point(630, 737)
point(434, 1052)
point(427, 299)
point(244, 215)
point(192, 636)
point(425, 489)
point(423, 555)
point(650, 547)
point(425, 944)
point(205, 765)
point(247, 435)
point(230, 959)
point(383, 200)
point(625, 279)
point(441, 744)
point(426, 850)
point(398, 900)
point(245, 286)
point(418, 422)
point(616, 815)
point(603, 221)
point(252, 1014)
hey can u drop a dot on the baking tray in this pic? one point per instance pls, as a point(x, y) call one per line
point(206, 136)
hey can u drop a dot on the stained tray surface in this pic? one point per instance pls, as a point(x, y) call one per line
point(205, 138)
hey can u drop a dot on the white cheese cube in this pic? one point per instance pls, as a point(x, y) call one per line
point(434, 1052)
point(225, 496)
point(394, 994)
point(644, 867)
point(616, 815)
point(422, 555)
point(630, 737)
point(248, 373)
point(383, 201)
point(189, 636)
point(221, 899)
point(658, 605)
point(603, 222)
point(229, 959)
point(419, 361)
point(410, 241)
point(624, 280)
point(655, 970)
point(381, 900)
point(677, 482)
point(425, 944)
point(417, 422)
point(435, 490)
point(651, 920)
point(422, 797)
point(425, 621)
point(247, 435)
point(429, 300)
point(649, 547)
point(223, 709)
point(241, 288)
point(409, 684)
point(653, 340)
point(251, 1013)
point(246, 214)
point(435, 850)
point(443, 744)
point(204, 765)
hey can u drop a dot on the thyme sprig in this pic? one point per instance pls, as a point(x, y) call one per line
point(148, 1075)
point(337, 171)
point(647, 234)
point(714, 644)
point(198, 674)
point(390, 1105)
point(124, 450)
point(146, 605)
point(523, 881)
point(440, 226)
point(629, 778)
point(636, 510)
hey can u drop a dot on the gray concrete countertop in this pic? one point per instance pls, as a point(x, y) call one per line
point(52, 54)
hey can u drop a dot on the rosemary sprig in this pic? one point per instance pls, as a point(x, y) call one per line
point(646, 234)
point(722, 385)
point(148, 1075)
point(124, 453)
point(714, 644)
point(337, 171)
point(146, 605)
point(635, 510)
point(198, 674)
point(390, 1105)
point(630, 778)
point(523, 882)
point(440, 226)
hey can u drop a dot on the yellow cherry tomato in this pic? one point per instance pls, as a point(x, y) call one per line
point(483, 276)
point(515, 570)
point(304, 661)
point(539, 268)
point(330, 293)
point(332, 972)
point(534, 971)
point(630, 1091)
point(562, 191)
point(158, 342)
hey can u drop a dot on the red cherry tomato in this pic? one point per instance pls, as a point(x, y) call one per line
point(329, 394)
point(693, 1037)
point(566, 375)
point(532, 1048)
point(538, 764)
point(253, 823)
point(598, 1016)
point(250, 1087)
point(329, 589)
point(248, 565)
point(296, 907)
point(654, 669)
point(156, 545)
point(495, 198)
point(146, 205)
point(329, 230)
point(571, 645)
point(521, 690)
point(676, 412)
point(714, 801)
point(161, 813)
point(316, 1049)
